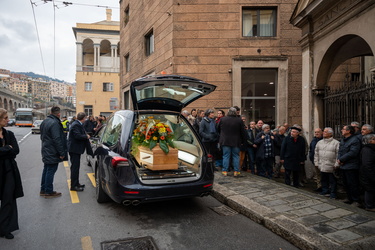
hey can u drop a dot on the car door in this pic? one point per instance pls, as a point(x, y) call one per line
point(109, 148)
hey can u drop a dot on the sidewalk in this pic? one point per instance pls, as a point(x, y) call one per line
point(307, 220)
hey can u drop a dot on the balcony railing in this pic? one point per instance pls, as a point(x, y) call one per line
point(97, 69)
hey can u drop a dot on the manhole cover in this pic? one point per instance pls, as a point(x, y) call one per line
point(224, 210)
point(144, 243)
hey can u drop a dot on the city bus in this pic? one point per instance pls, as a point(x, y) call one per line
point(26, 116)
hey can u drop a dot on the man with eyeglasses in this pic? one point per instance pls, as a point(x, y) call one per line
point(348, 160)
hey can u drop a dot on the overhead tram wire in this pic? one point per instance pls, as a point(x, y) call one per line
point(54, 39)
point(37, 33)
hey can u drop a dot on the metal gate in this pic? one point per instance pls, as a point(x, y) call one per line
point(352, 101)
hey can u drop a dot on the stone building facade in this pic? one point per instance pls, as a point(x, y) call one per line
point(338, 63)
point(247, 48)
point(97, 74)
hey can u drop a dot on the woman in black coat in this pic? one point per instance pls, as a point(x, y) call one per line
point(293, 155)
point(10, 179)
point(367, 171)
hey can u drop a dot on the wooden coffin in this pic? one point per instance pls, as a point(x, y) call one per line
point(156, 159)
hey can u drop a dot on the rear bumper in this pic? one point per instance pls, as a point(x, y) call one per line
point(145, 194)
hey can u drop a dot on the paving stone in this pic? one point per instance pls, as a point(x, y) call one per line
point(357, 218)
point(282, 208)
point(253, 195)
point(340, 223)
point(286, 194)
point(259, 199)
point(336, 213)
point(305, 203)
point(343, 236)
point(365, 229)
point(271, 197)
point(296, 198)
point(323, 207)
point(304, 211)
point(323, 229)
point(274, 203)
point(312, 219)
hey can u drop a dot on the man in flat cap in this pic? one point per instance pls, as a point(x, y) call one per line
point(293, 155)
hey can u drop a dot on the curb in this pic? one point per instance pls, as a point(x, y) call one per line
point(291, 230)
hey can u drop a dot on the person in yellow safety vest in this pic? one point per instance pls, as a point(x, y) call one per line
point(65, 124)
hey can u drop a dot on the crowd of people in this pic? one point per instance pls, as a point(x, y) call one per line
point(253, 147)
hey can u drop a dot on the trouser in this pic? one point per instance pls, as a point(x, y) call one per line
point(329, 184)
point(266, 167)
point(278, 165)
point(242, 159)
point(8, 209)
point(251, 154)
point(75, 160)
point(288, 174)
point(228, 153)
point(369, 199)
point(48, 175)
point(351, 183)
point(317, 177)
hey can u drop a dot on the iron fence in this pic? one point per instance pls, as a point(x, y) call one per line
point(351, 101)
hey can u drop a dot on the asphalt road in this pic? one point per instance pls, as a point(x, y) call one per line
point(77, 221)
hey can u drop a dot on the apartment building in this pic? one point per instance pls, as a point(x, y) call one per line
point(97, 74)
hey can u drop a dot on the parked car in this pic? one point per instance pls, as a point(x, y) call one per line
point(11, 122)
point(127, 171)
point(35, 128)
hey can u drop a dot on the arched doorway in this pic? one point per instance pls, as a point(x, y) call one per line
point(346, 83)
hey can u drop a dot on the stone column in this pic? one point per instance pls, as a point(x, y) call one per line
point(307, 98)
point(96, 57)
point(114, 58)
point(79, 56)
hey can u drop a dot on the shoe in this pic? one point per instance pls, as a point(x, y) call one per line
point(348, 201)
point(325, 194)
point(8, 236)
point(54, 194)
point(236, 174)
point(370, 209)
point(42, 193)
point(318, 190)
point(81, 185)
point(356, 204)
point(225, 173)
point(77, 189)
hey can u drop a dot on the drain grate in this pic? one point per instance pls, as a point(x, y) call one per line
point(224, 210)
point(143, 243)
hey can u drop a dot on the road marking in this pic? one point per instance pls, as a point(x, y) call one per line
point(86, 243)
point(23, 138)
point(66, 164)
point(92, 178)
point(73, 194)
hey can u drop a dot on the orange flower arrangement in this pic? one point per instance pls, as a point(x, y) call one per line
point(150, 132)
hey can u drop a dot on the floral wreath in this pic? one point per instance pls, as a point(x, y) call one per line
point(150, 132)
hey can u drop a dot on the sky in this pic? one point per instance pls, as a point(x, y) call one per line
point(19, 47)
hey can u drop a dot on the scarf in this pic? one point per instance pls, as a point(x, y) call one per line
point(212, 126)
point(267, 146)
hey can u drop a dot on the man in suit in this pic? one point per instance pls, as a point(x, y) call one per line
point(77, 143)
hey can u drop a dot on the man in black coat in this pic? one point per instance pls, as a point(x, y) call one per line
point(54, 151)
point(348, 159)
point(232, 136)
point(77, 143)
point(293, 155)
